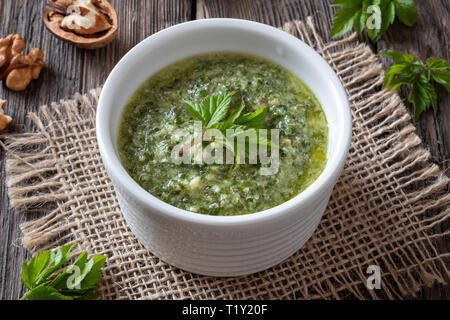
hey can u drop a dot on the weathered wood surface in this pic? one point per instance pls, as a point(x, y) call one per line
point(71, 70)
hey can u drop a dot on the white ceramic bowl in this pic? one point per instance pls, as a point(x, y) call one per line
point(222, 245)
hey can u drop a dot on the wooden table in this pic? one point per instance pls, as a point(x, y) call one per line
point(71, 70)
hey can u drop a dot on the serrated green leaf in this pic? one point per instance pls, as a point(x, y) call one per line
point(253, 120)
point(343, 21)
point(399, 81)
point(222, 126)
point(419, 98)
point(406, 12)
point(60, 281)
point(81, 285)
point(443, 78)
point(346, 3)
point(74, 294)
point(387, 18)
point(94, 275)
point(33, 270)
point(399, 70)
point(360, 17)
point(217, 107)
point(399, 57)
point(393, 54)
point(437, 64)
point(84, 271)
point(359, 22)
point(236, 115)
point(44, 293)
point(374, 22)
point(60, 258)
point(429, 90)
point(212, 109)
point(196, 111)
point(427, 74)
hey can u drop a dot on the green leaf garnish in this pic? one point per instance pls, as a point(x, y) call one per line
point(375, 15)
point(406, 12)
point(33, 270)
point(214, 108)
point(77, 281)
point(44, 293)
point(409, 70)
point(253, 120)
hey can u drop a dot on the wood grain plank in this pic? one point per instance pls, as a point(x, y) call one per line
point(68, 70)
point(275, 13)
point(431, 30)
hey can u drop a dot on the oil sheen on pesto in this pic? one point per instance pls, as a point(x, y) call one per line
point(156, 110)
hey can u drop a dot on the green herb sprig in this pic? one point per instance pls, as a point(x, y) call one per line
point(409, 70)
point(214, 108)
point(359, 14)
point(212, 112)
point(45, 280)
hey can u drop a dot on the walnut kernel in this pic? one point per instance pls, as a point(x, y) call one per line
point(4, 119)
point(16, 69)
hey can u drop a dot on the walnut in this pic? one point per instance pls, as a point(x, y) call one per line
point(10, 46)
point(4, 119)
point(88, 24)
point(16, 69)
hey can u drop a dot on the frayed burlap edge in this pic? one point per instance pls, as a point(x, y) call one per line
point(383, 211)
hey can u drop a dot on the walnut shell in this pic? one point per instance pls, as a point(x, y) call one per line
point(102, 33)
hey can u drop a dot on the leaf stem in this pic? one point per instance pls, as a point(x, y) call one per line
point(425, 53)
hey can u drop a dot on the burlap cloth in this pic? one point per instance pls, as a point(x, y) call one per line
point(383, 211)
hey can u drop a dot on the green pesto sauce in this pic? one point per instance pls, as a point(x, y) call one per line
point(155, 111)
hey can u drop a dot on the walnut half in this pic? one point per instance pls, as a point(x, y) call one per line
point(4, 119)
point(16, 69)
point(88, 24)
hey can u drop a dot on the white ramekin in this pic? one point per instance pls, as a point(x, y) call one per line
point(218, 245)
